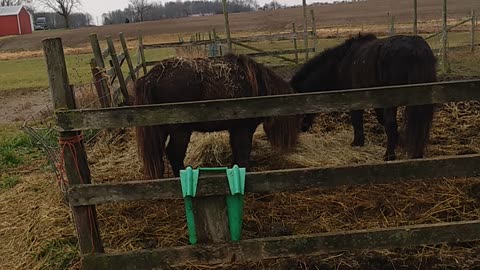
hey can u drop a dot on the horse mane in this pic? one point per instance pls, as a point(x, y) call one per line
point(332, 55)
point(263, 80)
point(281, 131)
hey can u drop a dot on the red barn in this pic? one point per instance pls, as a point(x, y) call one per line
point(15, 20)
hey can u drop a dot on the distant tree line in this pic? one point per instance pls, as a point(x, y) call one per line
point(57, 21)
point(141, 10)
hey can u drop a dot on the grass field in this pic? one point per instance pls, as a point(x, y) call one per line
point(364, 12)
point(30, 73)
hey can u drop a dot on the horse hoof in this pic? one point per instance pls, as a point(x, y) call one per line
point(358, 144)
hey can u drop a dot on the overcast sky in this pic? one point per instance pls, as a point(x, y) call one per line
point(98, 7)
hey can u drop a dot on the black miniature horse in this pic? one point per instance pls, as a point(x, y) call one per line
point(365, 61)
point(184, 80)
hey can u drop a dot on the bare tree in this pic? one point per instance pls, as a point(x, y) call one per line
point(4, 3)
point(140, 7)
point(62, 7)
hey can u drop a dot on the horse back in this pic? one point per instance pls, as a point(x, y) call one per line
point(393, 61)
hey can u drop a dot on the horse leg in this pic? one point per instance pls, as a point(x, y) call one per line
point(391, 129)
point(357, 122)
point(177, 148)
point(241, 144)
point(380, 117)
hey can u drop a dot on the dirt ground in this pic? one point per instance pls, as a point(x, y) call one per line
point(18, 105)
point(365, 12)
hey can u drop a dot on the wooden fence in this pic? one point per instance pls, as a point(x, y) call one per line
point(210, 199)
point(106, 65)
point(104, 77)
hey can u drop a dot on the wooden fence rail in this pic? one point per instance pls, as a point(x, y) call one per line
point(288, 246)
point(282, 180)
point(294, 104)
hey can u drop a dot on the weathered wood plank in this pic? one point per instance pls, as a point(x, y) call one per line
point(262, 54)
point(448, 28)
point(75, 157)
point(214, 110)
point(472, 30)
point(281, 52)
point(289, 246)
point(295, 45)
point(131, 69)
point(314, 30)
point(99, 82)
point(283, 180)
point(305, 27)
point(97, 51)
point(227, 25)
point(176, 44)
point(211, 219)
point(106, 53)
point(142, 53)
point(118, 69)
point(415, 18)
point(262, 51)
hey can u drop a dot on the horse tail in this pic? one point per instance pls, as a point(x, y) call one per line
point(418, 118)
point(150, 139)
point(282, 131)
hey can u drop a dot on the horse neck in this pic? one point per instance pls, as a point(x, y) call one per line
point(319, 74)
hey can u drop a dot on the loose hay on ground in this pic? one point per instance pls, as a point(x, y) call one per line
point(49, 235)
point(133, 226)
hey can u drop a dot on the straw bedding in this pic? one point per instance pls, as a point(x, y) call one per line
point(47, 239)
point(130, 226)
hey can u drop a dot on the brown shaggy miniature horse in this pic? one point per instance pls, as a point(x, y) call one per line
point(184, 80)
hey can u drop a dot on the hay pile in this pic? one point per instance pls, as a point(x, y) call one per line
point(39, 232)
point(132, 226)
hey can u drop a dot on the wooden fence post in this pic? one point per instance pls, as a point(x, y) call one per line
point(101, 85)
point(305, 28)
point(118, 69)
point(227, 26)
point(142, 54)
point(446, 67)
point(314, 31)
point(75, 158)
point(415, 18)
point(294, 37)
point(473, 29)
point(127, 57)
point(99, 81)
point(392, 25)
point(211, 219)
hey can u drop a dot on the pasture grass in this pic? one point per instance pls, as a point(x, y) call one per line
point(8, 181)
point(31, 73)
point(58, 253)
point(12, 147)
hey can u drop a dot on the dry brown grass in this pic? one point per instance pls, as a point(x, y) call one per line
point(372, 12)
